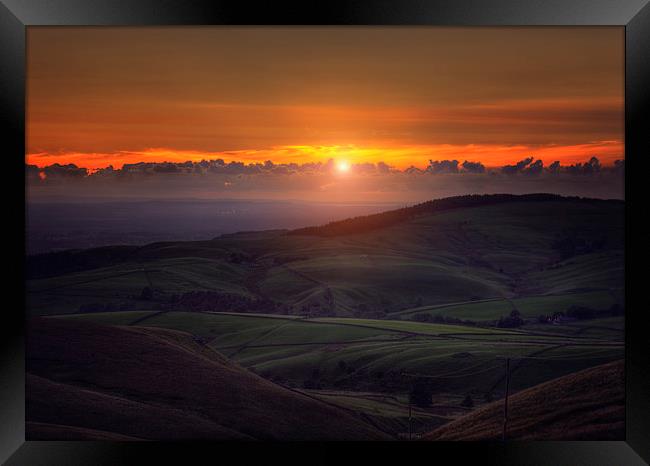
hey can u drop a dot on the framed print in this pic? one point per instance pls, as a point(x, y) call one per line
point(266, 230)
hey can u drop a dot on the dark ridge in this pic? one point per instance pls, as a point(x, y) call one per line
point(77, 260)
point(375, 221)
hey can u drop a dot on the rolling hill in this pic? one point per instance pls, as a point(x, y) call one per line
point(586, 405)
point(323, 333)
point(89, 381)
point(367, 354)
point(456, 250)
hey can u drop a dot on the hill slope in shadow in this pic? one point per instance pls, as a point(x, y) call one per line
point(586, 405)
point(88, 381)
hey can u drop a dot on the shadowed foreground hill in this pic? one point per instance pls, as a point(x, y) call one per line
point(88, 381)
point(586, 405)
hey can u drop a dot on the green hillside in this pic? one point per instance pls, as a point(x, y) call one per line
point(543, 254)
point(358, 316)
point(374, 355)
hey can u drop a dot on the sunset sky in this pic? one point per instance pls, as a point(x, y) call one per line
point(109, 96)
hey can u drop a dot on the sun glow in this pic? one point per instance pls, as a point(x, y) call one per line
point(343, 166)
point(399, 157)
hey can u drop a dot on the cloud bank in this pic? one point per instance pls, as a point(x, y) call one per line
point(316, 181)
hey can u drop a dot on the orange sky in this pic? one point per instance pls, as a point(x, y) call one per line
point(108, 96)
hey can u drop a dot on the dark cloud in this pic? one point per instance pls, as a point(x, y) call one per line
point(619, 165)
point(442, 166)
point(528, 166)
point(473, 167)
point(64, 171)
point(32, 173)
point(218, 166)
point(516, 168)
point(588, 168)
point(554, 168)
point(167, 168)
point(364, 168)
point(534, 169)
point(413, 170)
point(322, 180)
point(383, 167)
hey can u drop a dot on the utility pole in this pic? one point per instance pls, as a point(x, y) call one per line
point(505, 404)
point(410, 428)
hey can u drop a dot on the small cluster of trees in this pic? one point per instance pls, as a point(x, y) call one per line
point(511, 321)
point(421, 394)
point(315, 309)
point(440, 319)
point(582, 313)
point(106, 307)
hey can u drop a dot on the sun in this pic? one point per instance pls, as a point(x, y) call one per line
point(343, 166)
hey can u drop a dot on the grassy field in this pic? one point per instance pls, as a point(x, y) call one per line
point(529, 307)
point(337, 318)
point(341, 353)
point(123, 284)
point(391, 412)
point(488, 257)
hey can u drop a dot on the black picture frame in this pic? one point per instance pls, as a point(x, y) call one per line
point(16, 15)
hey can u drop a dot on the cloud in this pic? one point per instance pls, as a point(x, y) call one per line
point(218, 178)
point(69, 171)
point(473, 167)
point(383, 167)
point(619, 165)
point(535, 168)
point(528, 166)
point(516, 168)
point(398, 156)
point(32, 173)
point(443, 166)
point(588, 168)
point(554, 167)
